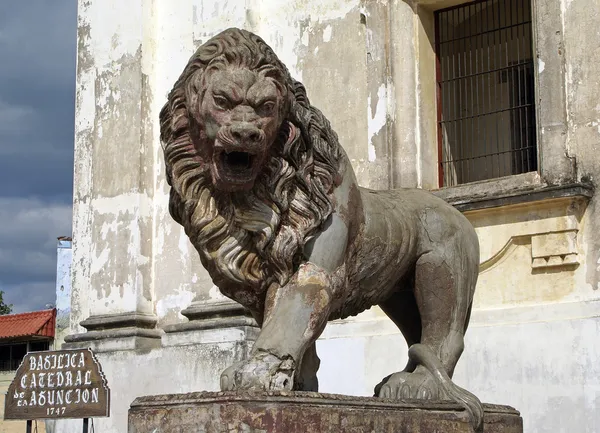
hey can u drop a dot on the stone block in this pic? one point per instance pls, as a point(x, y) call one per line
point(304, 412)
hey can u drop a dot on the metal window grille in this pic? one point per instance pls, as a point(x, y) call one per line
point(485, 84)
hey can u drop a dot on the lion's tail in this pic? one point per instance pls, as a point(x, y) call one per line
point(421, 354)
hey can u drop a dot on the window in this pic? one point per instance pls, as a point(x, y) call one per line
point(11, 354)
point(39, 346)
point(485, 90)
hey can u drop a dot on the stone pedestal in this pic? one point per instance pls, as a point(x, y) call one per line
point(302, 412)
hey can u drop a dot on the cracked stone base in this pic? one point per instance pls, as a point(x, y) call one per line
point(304, 412)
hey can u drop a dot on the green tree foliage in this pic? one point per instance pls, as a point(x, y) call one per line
point(4, 308)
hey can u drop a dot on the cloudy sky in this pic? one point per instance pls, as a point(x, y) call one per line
point(37, 85)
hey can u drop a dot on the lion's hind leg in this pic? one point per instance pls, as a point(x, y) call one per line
point(434, 322)
point(402, 309)
point(434, 316)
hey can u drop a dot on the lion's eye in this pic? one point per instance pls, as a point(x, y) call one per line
point(221, 102)
point(267, 108)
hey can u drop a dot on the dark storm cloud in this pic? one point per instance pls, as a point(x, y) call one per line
point(37, 82)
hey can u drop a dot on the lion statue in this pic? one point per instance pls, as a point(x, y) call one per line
point(268, 198)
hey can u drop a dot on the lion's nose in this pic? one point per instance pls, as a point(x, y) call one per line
point(245, 132)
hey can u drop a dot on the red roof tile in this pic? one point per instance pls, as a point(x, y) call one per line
point(40, 323)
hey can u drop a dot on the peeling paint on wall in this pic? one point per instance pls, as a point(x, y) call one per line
point(99, 261)
point(597, 272)
point(127, 245)
point(175, 302)
point(288, 25)
point(184, 243)
point(327, 34)
point(110, 41)
point(126, 203)
point(377, 118)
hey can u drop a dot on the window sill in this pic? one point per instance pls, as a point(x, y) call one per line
point(510, 190)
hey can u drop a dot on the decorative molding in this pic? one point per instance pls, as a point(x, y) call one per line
point(213, 315)
point(548, 250)
point(198, 325)
point(549, 227)
point(120, 320)
point(113, 333)
point(551, 250)
point(200, 310)
point(505, 251)
point(514, 190)
point(140, 327)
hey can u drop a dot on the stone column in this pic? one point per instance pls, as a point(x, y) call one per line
point(114, 175)
point(402, 52)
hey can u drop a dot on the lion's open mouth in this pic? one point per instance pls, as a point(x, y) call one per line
point(234, 170)
point(237, 164)
point(237, 160)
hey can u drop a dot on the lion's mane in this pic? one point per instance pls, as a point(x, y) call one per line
point(253, 239)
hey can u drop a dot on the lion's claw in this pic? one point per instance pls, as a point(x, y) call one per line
point(424, 394)
point(418, 385)
point(404, 392)
point(264, 371)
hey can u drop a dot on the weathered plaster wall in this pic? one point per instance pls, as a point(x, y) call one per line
point(582, 94)
point(369, 66)
point(542, 361)
point(533, 338)
point(567, 94)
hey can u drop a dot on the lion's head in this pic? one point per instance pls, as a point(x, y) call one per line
point(251, 164)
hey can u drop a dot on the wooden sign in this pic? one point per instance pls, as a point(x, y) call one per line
point(58, 384)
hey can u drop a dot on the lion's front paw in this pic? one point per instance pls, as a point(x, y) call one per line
point(264, 371)
point(420, 385)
